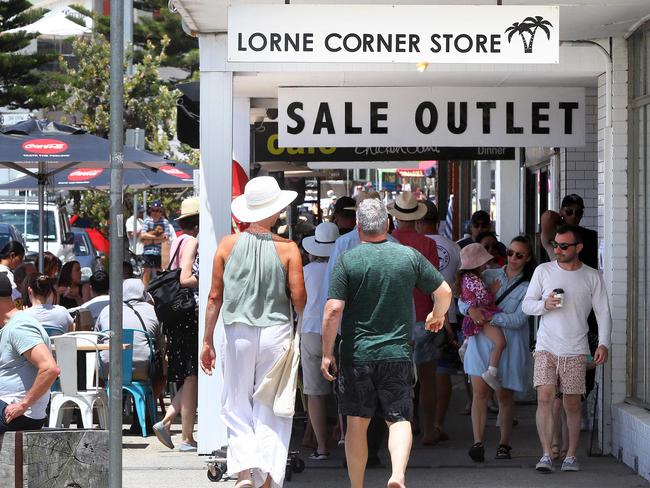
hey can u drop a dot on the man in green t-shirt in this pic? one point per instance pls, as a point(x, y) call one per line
point(371, 294)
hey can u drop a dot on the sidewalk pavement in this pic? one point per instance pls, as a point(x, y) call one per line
point(146, 463)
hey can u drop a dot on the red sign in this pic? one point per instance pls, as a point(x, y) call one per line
point(44, 146)
point(84, 174)
point(171, 171)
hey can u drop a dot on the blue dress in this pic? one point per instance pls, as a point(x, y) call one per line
point(514, 322)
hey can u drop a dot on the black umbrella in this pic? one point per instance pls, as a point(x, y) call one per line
point(51, 147)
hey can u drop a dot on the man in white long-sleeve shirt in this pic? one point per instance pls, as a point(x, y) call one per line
point(562, 348)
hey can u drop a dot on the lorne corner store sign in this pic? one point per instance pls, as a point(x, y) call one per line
point(431, 116)
point(393, 33)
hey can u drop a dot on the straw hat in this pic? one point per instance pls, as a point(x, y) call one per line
point(189, 208)
point(474, 255)
point(406, 207)
point(322, 243)
point(262, 198)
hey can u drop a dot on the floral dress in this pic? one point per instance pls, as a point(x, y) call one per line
point(475, 293)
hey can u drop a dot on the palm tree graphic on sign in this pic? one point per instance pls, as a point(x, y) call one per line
point(529, 26)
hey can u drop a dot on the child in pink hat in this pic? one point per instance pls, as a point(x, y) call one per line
point(473, 291)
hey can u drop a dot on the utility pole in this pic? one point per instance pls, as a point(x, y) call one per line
point(116, 242)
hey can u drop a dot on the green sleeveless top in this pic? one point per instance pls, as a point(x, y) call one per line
point(255, 283)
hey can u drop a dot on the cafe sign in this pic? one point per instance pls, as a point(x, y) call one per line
point(431, 116)
point(393, 33)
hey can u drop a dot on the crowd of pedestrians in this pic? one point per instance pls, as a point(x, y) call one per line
point(390, 310)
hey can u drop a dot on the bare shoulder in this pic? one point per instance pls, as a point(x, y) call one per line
point(226, 244)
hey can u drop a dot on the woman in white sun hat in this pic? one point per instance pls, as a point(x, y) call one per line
point(315, 386)
point(254, 276)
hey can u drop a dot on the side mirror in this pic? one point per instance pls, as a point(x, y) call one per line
point(68, 238)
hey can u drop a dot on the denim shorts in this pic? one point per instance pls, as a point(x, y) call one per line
point(382, 388)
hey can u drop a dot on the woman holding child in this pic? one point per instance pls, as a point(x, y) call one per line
point(508, 285)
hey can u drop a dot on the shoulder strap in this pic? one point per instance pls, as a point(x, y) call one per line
point(178, 249)
point(507, 292)
point(137, 315)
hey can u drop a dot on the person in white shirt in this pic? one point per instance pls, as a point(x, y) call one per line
point(99, 287)
point(55, 319)
point(563, 293)
point(448, 362)
point(315, 386)
point(139, 246)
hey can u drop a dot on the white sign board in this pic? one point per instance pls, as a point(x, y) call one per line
point(431, 116)
point(393, 33)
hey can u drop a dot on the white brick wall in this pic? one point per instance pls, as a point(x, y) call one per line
point(579, 166)
point(631, 436)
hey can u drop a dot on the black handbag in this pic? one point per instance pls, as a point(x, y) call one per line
point(172, 302)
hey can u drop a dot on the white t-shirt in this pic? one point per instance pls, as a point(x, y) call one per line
point(96, 305)
point(563, 331)
point(312, 317)
point(15, 294)
point(54, 316)
point(139, 247)
point(449, 256)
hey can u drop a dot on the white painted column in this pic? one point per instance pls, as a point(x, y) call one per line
point(216, 188)
point(241, 134)
point(507, 186)
point(484, 184)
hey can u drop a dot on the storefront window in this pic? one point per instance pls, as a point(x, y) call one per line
point(639, 312)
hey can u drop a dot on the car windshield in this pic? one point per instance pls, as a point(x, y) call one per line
point(29, 218)
point(81, 247)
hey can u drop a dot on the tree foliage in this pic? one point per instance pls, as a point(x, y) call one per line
point(21, 84)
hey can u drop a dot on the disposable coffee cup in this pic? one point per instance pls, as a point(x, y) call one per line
point(559, 293)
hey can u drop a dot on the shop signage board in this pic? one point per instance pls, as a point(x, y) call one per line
point(394, 33)
point(265, 144)
point(431, 116)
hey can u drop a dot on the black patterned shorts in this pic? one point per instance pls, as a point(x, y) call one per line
point(384, 388)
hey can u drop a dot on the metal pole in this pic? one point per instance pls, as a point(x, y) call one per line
point(116, 242)
point(41, 216)
point(128, 35)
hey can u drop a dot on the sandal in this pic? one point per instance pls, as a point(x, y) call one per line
point(555, 452)
point(477, 452)
point(503, 452)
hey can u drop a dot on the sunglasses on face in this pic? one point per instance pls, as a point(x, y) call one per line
point(563, 245)
point(518, 255)
point(569, 211)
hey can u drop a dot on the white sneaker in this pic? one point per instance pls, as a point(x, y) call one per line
point(492, 380)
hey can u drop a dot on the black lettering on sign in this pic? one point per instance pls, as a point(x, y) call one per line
point(240, 45)
point(324, 119)
point(436, 47)
point(486, 107)
point(540, 117)
point(510, 120)
point(262, 43)
point(349, 127)
point(328, 44)
point(568, 108)
point(376, 117)
point(433, 117)
point(307, 42)
point(451, 118)
point(293, 115)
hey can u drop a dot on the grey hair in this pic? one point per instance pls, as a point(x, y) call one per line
point(372, 217)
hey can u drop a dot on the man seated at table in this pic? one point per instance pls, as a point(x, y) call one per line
point(27, 368)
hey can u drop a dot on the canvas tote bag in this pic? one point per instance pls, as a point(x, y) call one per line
point(278, 387)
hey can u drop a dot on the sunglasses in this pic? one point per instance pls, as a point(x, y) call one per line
point(569, 211)
point(563, 245)
point(519, 255)
point(156, 210)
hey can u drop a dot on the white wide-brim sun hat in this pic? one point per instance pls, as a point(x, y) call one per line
point(322, 243)
point(262, 198)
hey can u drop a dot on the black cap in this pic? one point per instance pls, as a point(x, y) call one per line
point(432, 212)
point(481, 216)
point(573, 199)
point(5, 285)
point(344, 204)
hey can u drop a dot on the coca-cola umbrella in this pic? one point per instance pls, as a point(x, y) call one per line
point(50, 148)
point(168, 176)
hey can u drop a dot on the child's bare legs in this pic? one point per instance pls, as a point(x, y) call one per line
point(495, 334)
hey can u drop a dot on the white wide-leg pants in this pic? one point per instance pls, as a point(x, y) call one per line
point(257, 438)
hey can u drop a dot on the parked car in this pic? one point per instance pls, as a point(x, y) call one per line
point(84, 251)
point(8, 233)
point(23, 215)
